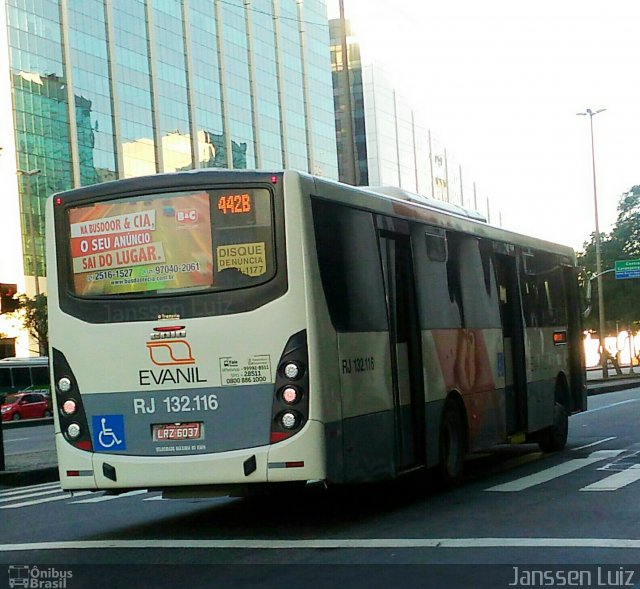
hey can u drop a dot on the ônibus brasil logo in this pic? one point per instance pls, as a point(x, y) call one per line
point(27, 576)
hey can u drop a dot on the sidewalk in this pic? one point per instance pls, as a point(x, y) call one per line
point(32, 468)
point(598, 385)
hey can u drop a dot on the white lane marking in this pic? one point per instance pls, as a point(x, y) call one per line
point(16, 440)
point(616, 481)
point(156, 498)
point(593, 444)
point(25, 490)
point(555, 471)
point(30, 495)
point(333, 543)
point(46, 500)
point(606, 407)
point(111, 497)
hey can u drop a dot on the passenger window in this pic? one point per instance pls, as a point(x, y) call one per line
point(437, 285)
point(543, 291)
point(40, 375)
point(21, 377)
point(478, 284)
point(347, 247)
point(436, 247)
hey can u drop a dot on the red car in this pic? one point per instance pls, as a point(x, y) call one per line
point(25, 406)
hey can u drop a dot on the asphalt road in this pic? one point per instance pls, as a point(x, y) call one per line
point(519, 513)
point(33, 439)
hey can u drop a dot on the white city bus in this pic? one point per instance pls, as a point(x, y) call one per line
point(215, 331)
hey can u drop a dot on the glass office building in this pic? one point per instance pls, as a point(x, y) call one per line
point(382, 139)
point(104, 89)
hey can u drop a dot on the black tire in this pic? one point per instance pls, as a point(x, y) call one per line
point(16, 417)
point(554, 438)
point(47, 413)
point(452, 446)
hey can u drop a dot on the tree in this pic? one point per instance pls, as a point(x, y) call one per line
point(33, 314)
point(621, 297)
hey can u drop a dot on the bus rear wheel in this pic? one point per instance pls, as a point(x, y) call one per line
point(452, 446)
point(554, 438)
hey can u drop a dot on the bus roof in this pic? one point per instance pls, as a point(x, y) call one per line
point(430, 211)
point(30, 360)
point(442, 205)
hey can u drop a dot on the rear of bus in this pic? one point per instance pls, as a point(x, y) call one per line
point(178, 333)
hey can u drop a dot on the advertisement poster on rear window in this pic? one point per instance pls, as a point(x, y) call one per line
point(142, 244)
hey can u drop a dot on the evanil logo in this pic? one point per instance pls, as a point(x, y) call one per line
point(170, 350)
point(38, 578)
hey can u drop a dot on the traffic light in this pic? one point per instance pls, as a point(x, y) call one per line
point(7, 303)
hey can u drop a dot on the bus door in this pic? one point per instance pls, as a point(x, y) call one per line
point(406, 354)
point(514, 347)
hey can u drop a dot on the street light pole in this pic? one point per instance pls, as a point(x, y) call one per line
point(601, 315)
point(32, 236)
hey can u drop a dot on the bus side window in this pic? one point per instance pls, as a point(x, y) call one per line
point(21, 377)
point(39, 376)
point(438, 295)
point(5, 378)
point(530, 305)
point(347, 248)
point(453, 276)
point(543, 291)
point(478, 285)
point(555, 298)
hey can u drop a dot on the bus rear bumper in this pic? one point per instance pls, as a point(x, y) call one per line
point(300, 458)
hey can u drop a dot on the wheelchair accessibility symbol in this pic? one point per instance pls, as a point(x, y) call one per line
point(108, 433)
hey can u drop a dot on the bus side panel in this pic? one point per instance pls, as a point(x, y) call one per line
point(352, 297)
point(575, 342)
point(547, 308)
point(545, 361)
point(324, 378)
point(456, 286)
point(469, 362)
point(486, 406)
point(435, 393)
point(367, 406)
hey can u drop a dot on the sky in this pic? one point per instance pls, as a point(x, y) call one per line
point(501, 81)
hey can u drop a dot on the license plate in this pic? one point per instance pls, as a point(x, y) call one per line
point(177, 432)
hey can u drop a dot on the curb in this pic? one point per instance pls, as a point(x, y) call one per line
point(612, 388)
point(612, 385)
point(27, 423)
point(22, 478)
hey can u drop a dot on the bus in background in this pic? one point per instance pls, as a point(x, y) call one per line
point(25, 388)
point(219, 331)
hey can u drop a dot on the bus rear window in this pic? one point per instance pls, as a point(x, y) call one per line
point(172, 242)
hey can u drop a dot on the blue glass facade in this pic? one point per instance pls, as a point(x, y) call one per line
point(41, 116)
point(104, 89)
